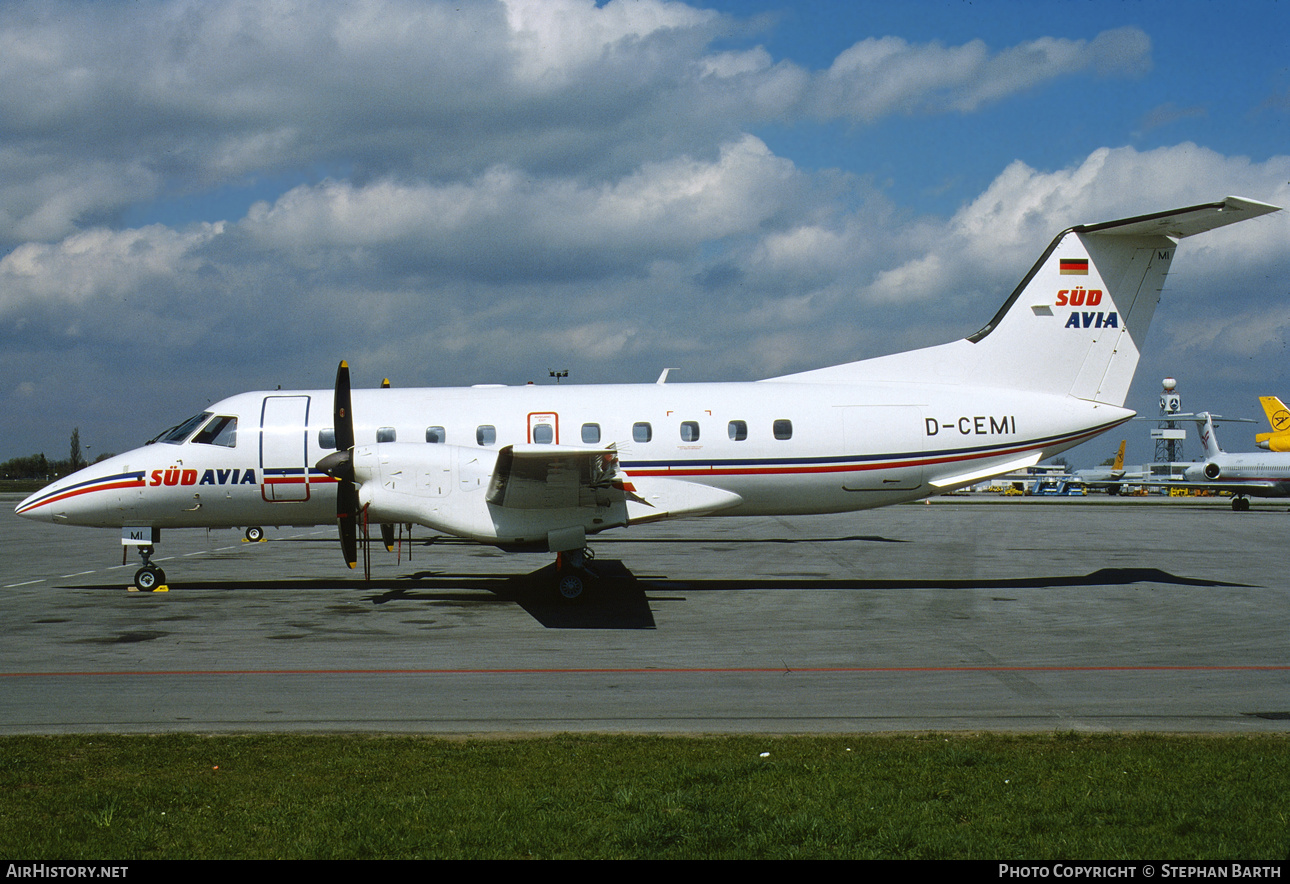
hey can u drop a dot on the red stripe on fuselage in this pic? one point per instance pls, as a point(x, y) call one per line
point(76, 492)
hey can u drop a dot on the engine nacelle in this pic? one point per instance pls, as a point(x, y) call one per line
point(1213, 471)
point(446, 488)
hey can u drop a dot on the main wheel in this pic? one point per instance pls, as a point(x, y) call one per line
point(255, 534)
point(149, 577)
point(570, 587)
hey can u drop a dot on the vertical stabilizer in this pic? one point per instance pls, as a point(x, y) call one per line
point(1205, 428)
point(1279, 420)
point(1075, 325)
point(1078, 323)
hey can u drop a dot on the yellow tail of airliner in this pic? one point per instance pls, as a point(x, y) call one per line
point(1279, 419)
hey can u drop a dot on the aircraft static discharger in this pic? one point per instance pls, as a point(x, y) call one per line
point(545, 467)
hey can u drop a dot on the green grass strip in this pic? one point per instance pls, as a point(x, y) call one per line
point(936, 796)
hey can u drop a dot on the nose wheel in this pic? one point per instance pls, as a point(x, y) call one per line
point(149, 578)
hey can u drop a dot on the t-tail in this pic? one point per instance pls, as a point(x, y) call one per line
point(1205, 429)
point(1279, 420)
point(1076, 324)
point(1118, 464)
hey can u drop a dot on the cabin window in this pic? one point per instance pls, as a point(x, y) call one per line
point(689, 431)
point(386, 434)
point(783, 429)
point(591, 433)
point(485, 435)
point(327, 438)
point(543, 434)
point(642, 432)
point(221, 431)
point(436, 435)
point(738, 430)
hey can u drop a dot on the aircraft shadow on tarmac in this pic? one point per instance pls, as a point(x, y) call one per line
point(622, 600)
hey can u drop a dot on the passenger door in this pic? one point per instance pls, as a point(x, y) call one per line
point(284, 448)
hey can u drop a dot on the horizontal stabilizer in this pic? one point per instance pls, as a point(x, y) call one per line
point(1012, 466)
point(669, 498)
point(1179, 223)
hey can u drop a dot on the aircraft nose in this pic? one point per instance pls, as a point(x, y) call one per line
point(43, 505)
point(87, 497)
point(28, 509)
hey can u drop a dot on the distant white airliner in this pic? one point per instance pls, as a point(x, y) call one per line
point(545, 466)
point(1257, 474)
point(1109, 479)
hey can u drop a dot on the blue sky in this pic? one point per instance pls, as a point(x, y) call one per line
point(201, 198)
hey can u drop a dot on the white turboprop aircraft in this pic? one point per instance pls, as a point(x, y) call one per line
point(1257, 474)
point(543, 467)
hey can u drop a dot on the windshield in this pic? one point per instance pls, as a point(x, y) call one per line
point(220, 431)
point(176, 435)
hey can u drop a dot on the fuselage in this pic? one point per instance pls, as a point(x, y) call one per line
point(1254, 474)
point(782, 448)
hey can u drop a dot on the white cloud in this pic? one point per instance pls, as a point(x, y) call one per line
point(885, 75)
point(100, 265)
point(556, 40)
point(471, 190)
point(110, 105)
point(498, 221)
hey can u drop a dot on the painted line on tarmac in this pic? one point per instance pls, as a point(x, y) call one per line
point(200, 552)
point(822, 670)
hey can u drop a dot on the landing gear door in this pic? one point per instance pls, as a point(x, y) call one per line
point(284, 440)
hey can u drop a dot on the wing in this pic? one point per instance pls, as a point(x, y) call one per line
point(555, 477)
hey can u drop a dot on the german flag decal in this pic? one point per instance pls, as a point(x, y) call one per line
point(1074, 266)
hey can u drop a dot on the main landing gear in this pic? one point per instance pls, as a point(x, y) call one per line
point(1240, 504)
point(573, 578)
point(149, 578)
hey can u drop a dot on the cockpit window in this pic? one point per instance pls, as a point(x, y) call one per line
point(176, 435)
point(220, 431)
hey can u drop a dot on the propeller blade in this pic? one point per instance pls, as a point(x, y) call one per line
point(340, 466)
point(342, 412)
point(387, 537)
point(347, 521)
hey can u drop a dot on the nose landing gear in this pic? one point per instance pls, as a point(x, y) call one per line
point(149, 578)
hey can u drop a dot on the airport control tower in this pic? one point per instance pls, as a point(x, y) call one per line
point(1169, 435)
